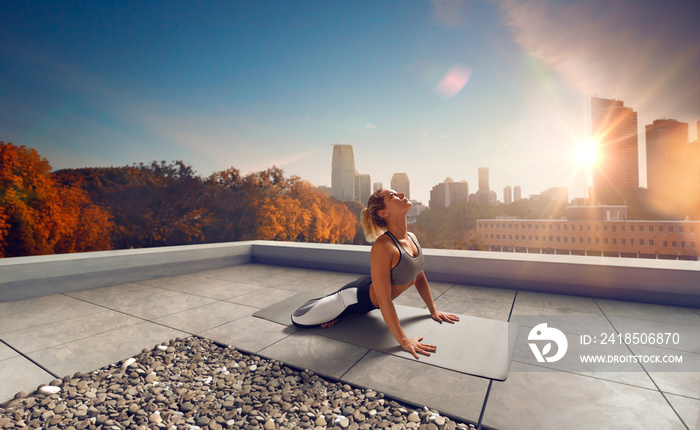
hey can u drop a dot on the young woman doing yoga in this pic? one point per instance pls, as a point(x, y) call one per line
point(396, 263)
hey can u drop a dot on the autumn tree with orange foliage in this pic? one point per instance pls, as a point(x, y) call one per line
point(39, 216)
point(266, 205)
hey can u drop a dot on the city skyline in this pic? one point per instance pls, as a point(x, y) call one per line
point(432, 89)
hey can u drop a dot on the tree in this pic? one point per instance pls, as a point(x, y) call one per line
point(40, 216)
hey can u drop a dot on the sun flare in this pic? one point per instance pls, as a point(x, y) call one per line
point(587, 153)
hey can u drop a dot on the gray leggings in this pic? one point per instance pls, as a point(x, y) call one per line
point(351, 299)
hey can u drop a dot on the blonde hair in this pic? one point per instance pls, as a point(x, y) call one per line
point(372, 223)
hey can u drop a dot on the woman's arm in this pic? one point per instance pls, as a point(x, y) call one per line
point(424, 291)
point(380, 259)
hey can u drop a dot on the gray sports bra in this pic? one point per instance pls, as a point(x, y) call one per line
point(408, 267)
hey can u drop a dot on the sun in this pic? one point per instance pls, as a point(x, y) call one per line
point(587, 153)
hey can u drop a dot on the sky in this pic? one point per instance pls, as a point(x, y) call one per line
point(434, 89)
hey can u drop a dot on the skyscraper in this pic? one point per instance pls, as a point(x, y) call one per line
point(507, 195)
point(614, 129)
point(517, 193)
point(401, 184)
point(483, 195)
point(343, 173)
point(362, 187)
point(448, 193)
point(668, 153)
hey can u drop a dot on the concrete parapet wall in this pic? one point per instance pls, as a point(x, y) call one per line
point(26, 277)
point(654, 281)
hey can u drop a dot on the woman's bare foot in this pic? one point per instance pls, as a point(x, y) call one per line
point(329, 324)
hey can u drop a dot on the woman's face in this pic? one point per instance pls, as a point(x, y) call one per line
point(396, 203)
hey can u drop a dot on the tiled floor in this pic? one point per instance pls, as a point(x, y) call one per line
point(82, 331)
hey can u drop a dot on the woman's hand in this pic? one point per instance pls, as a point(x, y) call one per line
point(442, 316)
point(415, 347)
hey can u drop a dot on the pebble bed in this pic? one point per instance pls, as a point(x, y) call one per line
point(194, 383)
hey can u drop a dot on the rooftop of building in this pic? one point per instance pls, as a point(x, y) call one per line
point(67, 313)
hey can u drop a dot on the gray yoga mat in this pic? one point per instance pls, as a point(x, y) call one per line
point(475, 346)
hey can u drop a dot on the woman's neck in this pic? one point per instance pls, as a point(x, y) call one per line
point(398, 228)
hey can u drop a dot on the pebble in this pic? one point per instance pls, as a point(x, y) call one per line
point(49, 390)
point(193, 383)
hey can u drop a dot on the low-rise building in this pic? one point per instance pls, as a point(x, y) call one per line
point(605, 231)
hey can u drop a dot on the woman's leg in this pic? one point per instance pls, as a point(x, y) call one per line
point(331, 307)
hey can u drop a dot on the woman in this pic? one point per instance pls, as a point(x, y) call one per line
point(396, 264)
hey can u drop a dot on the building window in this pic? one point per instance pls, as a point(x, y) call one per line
point(614, 228)
point(631, 228)
point(651, 242)
point(680, 229)
point(564, 226)
point(551, 238)
point(558, 239)
point(641, 228)
point(605, 228)
point(692, 244)
point(622, 242)
point(566, 239)
point(580, 240)
point(632, 242)
point(682, 243)
point(605, 240)
point(661, 229)
point(673, 243)
point(588, 227)
point(510, 236)
point(665, 242)
point(597, 240)
point(588, 240)
point(670, 229)
point(641, 242)
point(622, 228)
point(614, 241)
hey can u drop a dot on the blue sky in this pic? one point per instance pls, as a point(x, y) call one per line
point(430, 88)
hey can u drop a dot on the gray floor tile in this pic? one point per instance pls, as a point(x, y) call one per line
point(217, 288)
point(249, 333)
point(35, 304)
point(420, 384)
point(308, 284)
point(676, 378)
point(161, 305)
point(649, 311)
point(474, 307)
point(35, 338)
point(687, 408)
point(327, 357)
point(172, 282)
point(628, 373)
point(260, 300)
point(104, 294)
point(688, 335)
point(482, 293)
point(86, 355)
point(6, 352)
point(35, 312)
point(573, 323)
point(556, 400)
point(556, 302)
point(19, 374)
point(206, 317)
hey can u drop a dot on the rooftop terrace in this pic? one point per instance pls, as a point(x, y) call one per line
point(67, 313)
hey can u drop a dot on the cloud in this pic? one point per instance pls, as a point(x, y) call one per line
point(370, 126)
point(645, 53)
